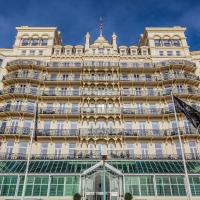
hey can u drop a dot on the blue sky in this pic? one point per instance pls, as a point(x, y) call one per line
point(127, 18)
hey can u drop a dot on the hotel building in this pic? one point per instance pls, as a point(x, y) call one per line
point(96, 101)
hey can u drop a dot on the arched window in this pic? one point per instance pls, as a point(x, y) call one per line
point(44, 41)
point(25, 41)
point(90, 148)
point(111, 147)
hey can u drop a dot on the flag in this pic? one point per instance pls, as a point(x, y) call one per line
point(191, 114)
point(101, 25)
point(36, 122)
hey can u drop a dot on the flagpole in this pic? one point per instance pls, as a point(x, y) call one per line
point(188, 190)
point(29, 153)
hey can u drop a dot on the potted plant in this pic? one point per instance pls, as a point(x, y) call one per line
point(128, 196)
point(77, 196)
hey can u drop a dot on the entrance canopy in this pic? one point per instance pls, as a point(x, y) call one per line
point(100, 164)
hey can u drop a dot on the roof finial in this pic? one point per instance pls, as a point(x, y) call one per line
point(101, 26)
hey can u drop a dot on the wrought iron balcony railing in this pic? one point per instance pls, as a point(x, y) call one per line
point(100, 132)
point(17, 108)
point(97, 155)
point(79, 77)
point(86, 92)
point(106, 110)
point(62, 110)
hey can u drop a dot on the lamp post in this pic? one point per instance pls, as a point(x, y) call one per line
point(104, 158)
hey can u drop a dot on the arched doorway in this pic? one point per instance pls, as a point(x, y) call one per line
point(92, 183)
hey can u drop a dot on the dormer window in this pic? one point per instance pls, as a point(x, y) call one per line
point(35, 42)
point(157, 42)
point(166, 42)
point(133, 52)
point(57, 52)
point(68, 52)
point(25, 42)
point(123, 52)
point(145, 53)
point(176, 43)
point(101, 51)
point(78, 52)
point(44, 42)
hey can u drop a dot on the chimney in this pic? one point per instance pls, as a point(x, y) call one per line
point(114, 42)
point(87, 41)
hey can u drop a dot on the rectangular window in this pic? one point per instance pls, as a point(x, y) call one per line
point(161, 53)
point(9, 149)
point(193, 149)
point(178, 150)
point(156, 128)
point(60, 128)
point(142, 128)
point(47, 126)
point(169, 53)
point(44, 149)
point(128, 126)
point(170, 186)
point(22, 149)
point(158, 148)
point(8, 185)
point(178, 53)
point(58, 148)
point(73, 128)
point(140, 108)
point(130, 149)
point(14, 126)
point(72, 149)
point(27, 127)
point(37, 186)
point(144, 149)
point(57, 186)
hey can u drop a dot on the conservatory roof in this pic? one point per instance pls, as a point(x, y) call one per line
point(74, 166)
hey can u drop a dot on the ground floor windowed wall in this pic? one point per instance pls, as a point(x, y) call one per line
point(60, 186)
point(39, 185)
point(64, 178)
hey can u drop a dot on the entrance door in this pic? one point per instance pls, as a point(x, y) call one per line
point(94, 186)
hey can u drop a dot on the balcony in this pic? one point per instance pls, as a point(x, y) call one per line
point(63, 79)
point(134, 65)
point(60, 111)
point(99, 132)
point(27, 91)
point(15, 130)
point(17, 109)
point(97, 155)
point(100, 111)
point(62, 93)
point(77, 92)
point(23, 76)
